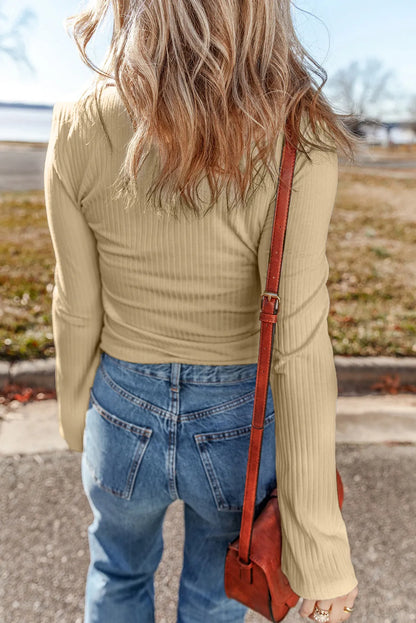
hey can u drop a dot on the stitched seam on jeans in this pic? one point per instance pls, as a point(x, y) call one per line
point(141, 431)
point(138, 457)
point(231, 433)
point(212, 478)
point(225, 406)
point(202, 439)
point(143, 438)
point(134, 399)
point(231, 381)
point(118, 493)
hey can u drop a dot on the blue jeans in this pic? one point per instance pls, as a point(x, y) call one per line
point(156, 433)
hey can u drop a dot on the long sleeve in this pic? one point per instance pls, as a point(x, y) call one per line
point(315, 549)
point(76, 303)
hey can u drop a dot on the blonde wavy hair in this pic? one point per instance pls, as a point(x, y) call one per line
point(211, 84)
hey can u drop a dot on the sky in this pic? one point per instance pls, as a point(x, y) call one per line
point(336, 34)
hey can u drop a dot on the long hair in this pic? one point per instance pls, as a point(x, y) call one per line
point(211, 84)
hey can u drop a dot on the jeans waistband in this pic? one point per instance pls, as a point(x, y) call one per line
point(187, 372)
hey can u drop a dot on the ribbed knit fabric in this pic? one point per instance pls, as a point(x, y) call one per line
point(148, 288)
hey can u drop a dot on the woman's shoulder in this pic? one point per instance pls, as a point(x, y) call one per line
point(95, 120)
point(87, 110)
point(108, 102)
point(112, 111)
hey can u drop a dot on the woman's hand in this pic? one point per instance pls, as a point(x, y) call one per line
point(335, 606)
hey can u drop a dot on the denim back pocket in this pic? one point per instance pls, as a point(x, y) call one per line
point(113, 449)
point(224, 457)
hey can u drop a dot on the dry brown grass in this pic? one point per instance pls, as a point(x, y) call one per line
point(26, 277)
point(371, 252)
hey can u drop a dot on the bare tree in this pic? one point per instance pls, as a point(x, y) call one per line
point(12, 42)
point(361, 90)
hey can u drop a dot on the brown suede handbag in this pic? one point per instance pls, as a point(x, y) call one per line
point(253, 574)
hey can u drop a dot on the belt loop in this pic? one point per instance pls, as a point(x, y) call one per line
point(175, 375)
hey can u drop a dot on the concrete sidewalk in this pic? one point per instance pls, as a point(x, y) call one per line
point(29, 428)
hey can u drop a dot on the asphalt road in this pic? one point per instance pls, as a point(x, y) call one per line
point(21, 165)
point(44, 551)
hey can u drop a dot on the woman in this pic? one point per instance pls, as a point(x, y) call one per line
point(160, 188)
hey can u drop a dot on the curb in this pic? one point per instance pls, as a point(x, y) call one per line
point(30, 373)
point(355, 375)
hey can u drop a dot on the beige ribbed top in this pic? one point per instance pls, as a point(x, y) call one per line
point(116, 269)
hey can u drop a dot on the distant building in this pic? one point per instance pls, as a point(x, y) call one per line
point(387, 133)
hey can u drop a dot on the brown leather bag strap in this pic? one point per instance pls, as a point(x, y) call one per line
point(268, 317)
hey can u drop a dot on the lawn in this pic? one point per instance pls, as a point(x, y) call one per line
point(370, 251)
point(26, 277)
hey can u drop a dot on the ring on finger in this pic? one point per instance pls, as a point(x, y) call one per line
point(319, 615)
